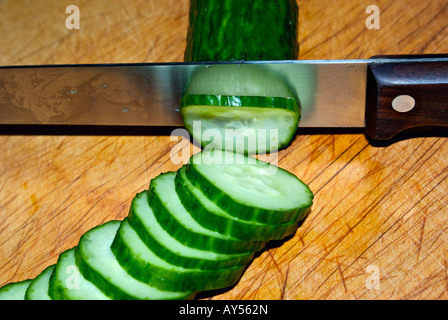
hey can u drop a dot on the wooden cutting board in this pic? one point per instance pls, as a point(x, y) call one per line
point(378, 228)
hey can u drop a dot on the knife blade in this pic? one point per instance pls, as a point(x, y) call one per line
point(364, 93)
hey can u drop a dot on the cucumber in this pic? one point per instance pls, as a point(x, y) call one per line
point(212, 217)
point(177, 221)
point(98, 264)
point(243, 108)
point(15, 290)
point(142, 219)
point(248, 188)
point(38, 289)
point(242, 30)
point(140, 262)
point(67, 283)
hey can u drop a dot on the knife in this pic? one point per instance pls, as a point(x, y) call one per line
point(385, 95)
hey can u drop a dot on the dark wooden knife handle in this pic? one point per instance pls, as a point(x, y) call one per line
point(406, 94)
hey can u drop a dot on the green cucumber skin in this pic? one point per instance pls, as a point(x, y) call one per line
point(240, 210)
point(256, 233)
point(163, 279)
point(190, 238)
point(176, 259)
point(239, 101)
point(56, 291)
point(235, 30)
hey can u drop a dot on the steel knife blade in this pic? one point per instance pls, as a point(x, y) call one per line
point(384, 94)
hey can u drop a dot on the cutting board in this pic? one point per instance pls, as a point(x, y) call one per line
point(378, 228)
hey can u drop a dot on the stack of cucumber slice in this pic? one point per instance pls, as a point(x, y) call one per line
point(192, 230)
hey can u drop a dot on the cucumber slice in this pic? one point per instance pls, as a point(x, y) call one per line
point(15, 290)
point(38, 289)
point(67, 283)
point(140, 262)
point(177, 221)
point(210, 216)
point(248, 188)
point(252, 130)
point(98, 264)
point(243, 108)
point(142, 219)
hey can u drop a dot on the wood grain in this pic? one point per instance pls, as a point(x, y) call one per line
point(377, 207)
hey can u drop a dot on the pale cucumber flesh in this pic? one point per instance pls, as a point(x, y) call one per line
point(15, 290)
point(38, 289)
point(209, 215)
point(248, 188)
point(252, 130)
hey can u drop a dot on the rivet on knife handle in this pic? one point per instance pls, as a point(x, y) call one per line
point(405, 95)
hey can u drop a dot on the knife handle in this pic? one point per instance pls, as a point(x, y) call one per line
point(406, 95)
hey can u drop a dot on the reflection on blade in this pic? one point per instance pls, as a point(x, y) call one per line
point(331, 94)
point(93, 95)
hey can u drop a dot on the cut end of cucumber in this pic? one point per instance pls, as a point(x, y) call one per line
point(245, 108)
point(252, 130)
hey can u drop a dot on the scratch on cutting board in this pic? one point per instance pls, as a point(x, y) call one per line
point(285, 281)
point(420, 241)
point(341, 273)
